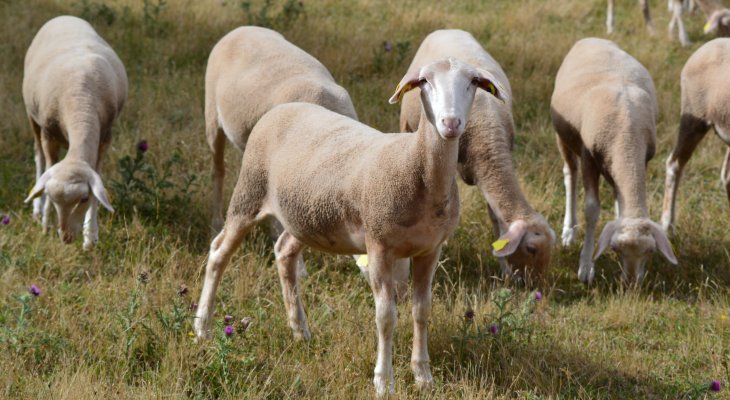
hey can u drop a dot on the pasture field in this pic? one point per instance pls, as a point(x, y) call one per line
point(115, 322)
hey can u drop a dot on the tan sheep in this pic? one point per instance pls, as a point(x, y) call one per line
point(604, 110)
point(705, 85)
point(251, 70)
point(74, 87)
point(485, 154)
point(356, 191)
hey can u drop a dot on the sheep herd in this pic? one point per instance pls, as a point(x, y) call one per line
point(331, 183)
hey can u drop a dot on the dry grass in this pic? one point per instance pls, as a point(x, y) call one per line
point(98, 332)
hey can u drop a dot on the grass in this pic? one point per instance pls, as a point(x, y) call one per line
point(112, 324)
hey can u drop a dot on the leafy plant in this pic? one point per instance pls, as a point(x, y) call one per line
point(289, 13)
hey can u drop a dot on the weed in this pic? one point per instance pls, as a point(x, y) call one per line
point(290, 11)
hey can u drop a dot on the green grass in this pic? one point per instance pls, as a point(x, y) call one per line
point(101, 331)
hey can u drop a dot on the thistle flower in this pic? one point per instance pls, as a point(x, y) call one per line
point(538, 295)
point(5, 219)
point(193, 306)
point(228, 319)
point(715, 385)
point(493, 329)
point(469, 315)
point(387, 46)
point(34, 290)
point(142, 146)
point(228, 330)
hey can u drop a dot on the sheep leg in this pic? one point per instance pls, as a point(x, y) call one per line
point(592, 209)
point(725, 173)
point(401, 270)
point(91, 219)
point(288, 251)
point(50, 152)
point(40, 167)
point(424, 268)
point(217, 142)
point(504, 265)
point(570, 172)
point(644, 4)
point(386, 316)
point(677, 19)
point(221, 250)
point(691, 132)
point(609, 17)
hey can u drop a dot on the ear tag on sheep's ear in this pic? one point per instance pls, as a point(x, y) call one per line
point(402, 91)
point(362, 261)
point(499, 244)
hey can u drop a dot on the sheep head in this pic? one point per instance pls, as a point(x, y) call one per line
point(635, 240)
point(70, 185)
point(527, 246)
point(447, 93)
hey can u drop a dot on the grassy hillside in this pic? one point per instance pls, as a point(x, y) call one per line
point(115, 322)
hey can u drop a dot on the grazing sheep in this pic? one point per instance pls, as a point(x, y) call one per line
point(74, 86)
point(485, 154)
point(251, 70)
point(604, 110)
point(718, 17)
point(705, 103)
point(340, 186)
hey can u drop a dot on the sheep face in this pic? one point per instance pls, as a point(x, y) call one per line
point(532, 256)
point(719, 21)
point(69, 186)
point(635, 240)
point(447, 93)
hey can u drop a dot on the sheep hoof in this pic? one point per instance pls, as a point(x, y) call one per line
point(89, 245)
point(586, 273)
point(568, 236)
point(302, 334)
point(383, 385)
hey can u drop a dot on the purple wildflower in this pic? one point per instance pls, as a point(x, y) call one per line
point(387, 46)
point(143, 146)
point(228, 318)
point(228, 330)
point(494, 329)
point(538, 295)
point(6, 219)
point(193, 306)
point(34, 290)
point(469, 315)
point(715, 385)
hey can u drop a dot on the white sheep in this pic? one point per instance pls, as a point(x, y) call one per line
point(604, 110)
point(340, 186)
point(705, 103)
point(74, 86)
point(485, 154)
point(251, 70)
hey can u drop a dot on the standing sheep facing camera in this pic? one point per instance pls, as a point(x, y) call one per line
point(74, 86)
point(340, 186)
point(251, 70)
point(604, 110)
point(705, 85)
point(485, 154)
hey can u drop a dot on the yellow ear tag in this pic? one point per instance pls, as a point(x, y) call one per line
point(362, 261)
point(406, 88)
point(707, 27)
point(499, 244)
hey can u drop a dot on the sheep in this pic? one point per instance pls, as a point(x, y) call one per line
point(251, 70)
point(705, 101)
point(356, 191)
point(484, 154)
point(604, 111)
point(718, 17)
point(74, 87)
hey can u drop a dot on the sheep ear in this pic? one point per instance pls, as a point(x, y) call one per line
point(97, 187)
point(409, 81)
point(605, 239)
point(491, 85)
point(712, 23)
point(662, 243)
point(40, 185)
point(510, 240)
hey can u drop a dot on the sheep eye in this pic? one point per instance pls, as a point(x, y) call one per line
point(422, 81)
point(83, 200)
